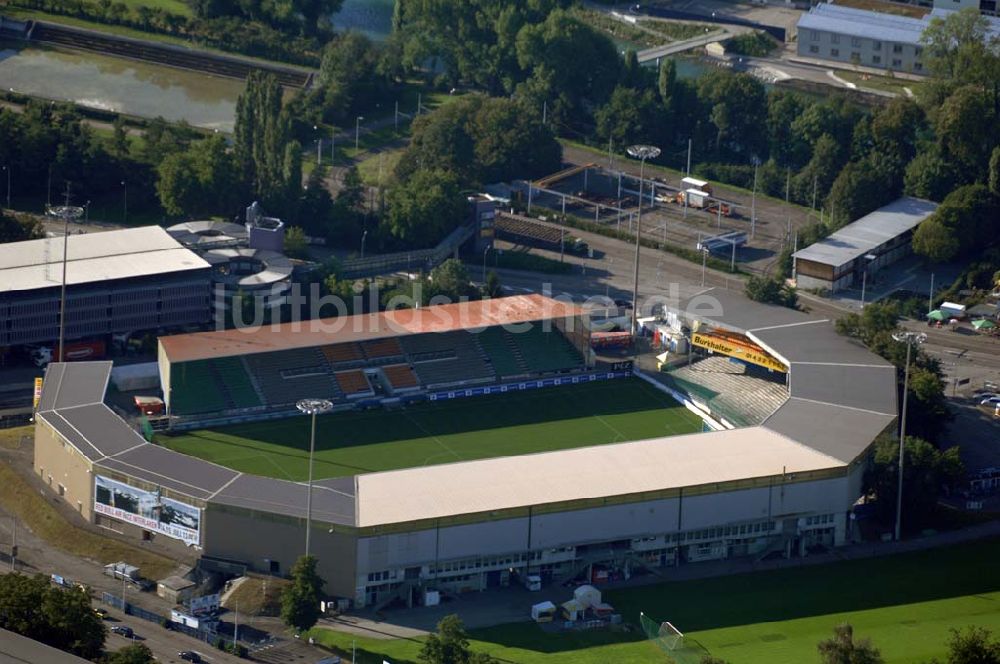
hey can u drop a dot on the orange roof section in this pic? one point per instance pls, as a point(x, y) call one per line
point(363, 327)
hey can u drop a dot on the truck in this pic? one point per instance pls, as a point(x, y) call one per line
point(74, 351)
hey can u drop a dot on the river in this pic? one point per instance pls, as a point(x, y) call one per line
point(117, 84)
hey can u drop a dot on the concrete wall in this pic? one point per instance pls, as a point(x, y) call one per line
point(860, 50)
point(256, 538)
point(64, 470)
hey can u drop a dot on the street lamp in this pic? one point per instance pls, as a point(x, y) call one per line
point(6, 168)
point(357, 132)
point(319, 148)
point(911, 339)
point(642, 153)
point(312, 407)
point(124, 202)
point(485, 252)
point(363, 236)
point(864, 277)
point(704, 259)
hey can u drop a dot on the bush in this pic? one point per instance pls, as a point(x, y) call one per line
point(756, 44)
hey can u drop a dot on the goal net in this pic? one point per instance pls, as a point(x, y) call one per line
point(679, 649)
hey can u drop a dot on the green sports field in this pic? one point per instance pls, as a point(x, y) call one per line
point(509, 424)
point(906, 604)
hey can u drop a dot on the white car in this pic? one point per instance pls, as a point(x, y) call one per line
point(984, 395)
point(992, 401)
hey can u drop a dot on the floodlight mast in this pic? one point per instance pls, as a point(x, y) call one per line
point(911, 339)
point(312, 407)
point(66, 213)
point(642, 153)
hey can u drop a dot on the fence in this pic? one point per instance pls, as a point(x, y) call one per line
point(246, 633)
point(421, 259)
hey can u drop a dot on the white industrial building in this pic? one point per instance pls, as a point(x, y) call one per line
point(872, 242)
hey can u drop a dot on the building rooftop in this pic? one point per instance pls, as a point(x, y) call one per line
point(863, 23)
point(870, 231)
point(93, 257)
point(586, 473)
point(363, 327)
point(15, 649)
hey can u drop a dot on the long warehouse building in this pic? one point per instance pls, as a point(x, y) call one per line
point(782, 486)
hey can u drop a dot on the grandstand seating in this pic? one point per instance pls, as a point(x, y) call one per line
point(447, 358)
point(741, 392)
point(232, 373)
point(542, 351)
point(195, 390)
point(287, 376)
point(380, 350)
point(343, 355)
point(495, 342)
point(400, 376)
point(353, 382)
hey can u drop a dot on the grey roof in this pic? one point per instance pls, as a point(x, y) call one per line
point(93, 257)
point(842, 433)
point(85, 384)
point(835, 384)
point(869, 232)
point(16, 648)
point(172, 470)
point(333, 500)
point(106, 433)
point(863, 23)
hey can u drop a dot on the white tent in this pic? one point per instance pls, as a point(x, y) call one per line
point(587, 596)
point(543, 611)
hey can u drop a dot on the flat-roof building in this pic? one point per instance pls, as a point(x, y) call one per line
point(874, 241)
point(869, 38)
point(116, 282)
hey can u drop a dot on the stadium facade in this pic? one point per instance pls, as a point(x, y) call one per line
point(781, 486)
point(116, 282)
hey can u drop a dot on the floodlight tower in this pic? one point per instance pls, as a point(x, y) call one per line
point(911, 339)
point(65, 212)
point(312, 407)
point(642, 153)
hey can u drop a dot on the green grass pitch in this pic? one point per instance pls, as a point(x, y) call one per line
point(509, 424)
point(906, 604)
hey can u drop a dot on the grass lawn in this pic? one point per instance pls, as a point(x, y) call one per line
point(170, 6)
point(906, 604)
point(872, 82)
point(34, 509)
point(431, 433)
point(368, 168)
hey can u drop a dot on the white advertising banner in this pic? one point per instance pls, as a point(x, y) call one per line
point(147, 509)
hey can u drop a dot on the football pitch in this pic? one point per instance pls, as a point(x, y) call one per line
point(906, 604)
point(357, 442)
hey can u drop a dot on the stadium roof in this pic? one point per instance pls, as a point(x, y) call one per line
point(584, 473)
point(512, 310)
point(868, 232)
point(93, 257)
point(16, 648)
point(863, 23)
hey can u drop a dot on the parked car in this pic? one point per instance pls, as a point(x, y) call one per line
point(189, 656)
point(992, 401)
point(101, 613)
point(124, 630)
point(985, 395)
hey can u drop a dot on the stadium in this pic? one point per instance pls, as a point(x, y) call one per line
point(477, 443)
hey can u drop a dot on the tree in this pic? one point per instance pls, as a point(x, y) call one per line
point(200, 179)
point(300, 599)
point(492, 287)
point(771, 291)
point(296, 244)
point(926, 471)
point(137, 653)
point(953, 43)
point(965, 131)
point(13, 229)
point(120, 138)
point(843, 649)
point(859, 189)
point(995, 171)
point(259, 137)
point(737, 107)
point(349, 79)
point(63, 619)
point(630, 116)
point(450, 645)
point(929, 176)
point(957, 227)
point(974, 645)
point(450, 279)
point(425, 208)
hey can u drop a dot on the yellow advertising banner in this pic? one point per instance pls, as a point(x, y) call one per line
point(38, 393)
point(739, 351)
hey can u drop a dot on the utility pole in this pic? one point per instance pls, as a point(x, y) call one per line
point(236, 625)
point(642, 153)
point(545, 111)
point(688, 171)
point(395, 117)
point(910, 339)
point(753, 199)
